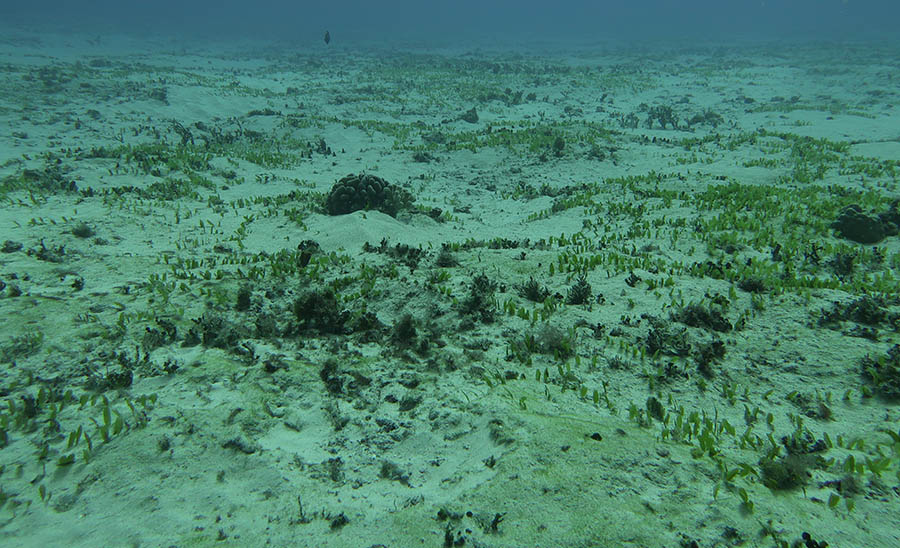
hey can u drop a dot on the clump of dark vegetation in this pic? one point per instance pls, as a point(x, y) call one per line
point(706, 317)
point(51, 79)
point(102, 381)
point(274, 363)
point(664, 338)
point(655, 409)
point(663, 115)
point(50, 254)
point(338, 522)
point(617, 362)
point(391, 471)
point(340, 380)
point(154, 337)
point(243, 299)
point(160, 94)
point(82, 230)
point(445, 258)
point(434, 138)
point(405, 332)
point(843, 264)
point(869, 310)
point(533, 291)
point(803, 444)
point(423, 157)
point(10, 246)
point(559, 146)
point(814, 407)
point(331, 377)
point(707, 117)
point(505, 243)
point(116, 370)
point(809, 542)
point(629, 121)
point(116, 380)
point(548, 340)
point(405, 254)
point(266, 325)
point(409, 256)
point(600, 153)
point(409, 402)
point(366, 324)
point(215, 331)
point(320, 310)
point(507, 96)
point(792, 470)
point(479, 303)
point(580, 292)
point(708, 353)
point(849, 485)
point(21, 347)
point(552, 341)
point(52, 178)
point(520, 349)
point(884, 372)
point(263, 112)
point(366, 192)
point(752, 284)
point(787, 472)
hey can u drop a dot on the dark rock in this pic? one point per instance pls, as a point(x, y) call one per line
point(470, 116)
point(855, 225)
point(10, 246)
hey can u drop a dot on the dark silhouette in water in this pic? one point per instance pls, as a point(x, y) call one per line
point(327, 37)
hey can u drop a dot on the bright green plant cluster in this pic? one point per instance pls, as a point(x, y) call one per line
point(54, 423)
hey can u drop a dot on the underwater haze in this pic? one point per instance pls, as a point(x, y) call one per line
point(444, 21)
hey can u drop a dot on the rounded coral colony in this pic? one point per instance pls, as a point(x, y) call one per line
point(366, 192)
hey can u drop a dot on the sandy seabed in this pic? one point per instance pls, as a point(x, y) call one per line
point(606, 306)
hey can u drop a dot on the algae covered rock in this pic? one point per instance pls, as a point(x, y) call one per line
point(364, 191)
point(855, 225)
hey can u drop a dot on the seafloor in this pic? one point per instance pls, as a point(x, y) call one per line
point(598, 296)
